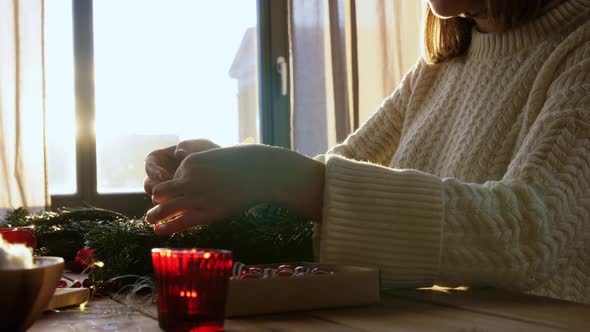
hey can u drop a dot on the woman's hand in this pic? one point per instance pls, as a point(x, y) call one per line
point(160, 165)
point(213, 185)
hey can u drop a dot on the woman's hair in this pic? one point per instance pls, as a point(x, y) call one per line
point(447, 38)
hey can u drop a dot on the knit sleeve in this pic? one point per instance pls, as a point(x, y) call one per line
point(512, 233)
point(377, 139)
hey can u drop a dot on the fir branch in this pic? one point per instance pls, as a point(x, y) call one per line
point(263, 234)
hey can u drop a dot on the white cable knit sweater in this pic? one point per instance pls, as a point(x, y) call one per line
point(475, 171)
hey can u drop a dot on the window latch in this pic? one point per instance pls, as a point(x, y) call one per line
point(283, 71)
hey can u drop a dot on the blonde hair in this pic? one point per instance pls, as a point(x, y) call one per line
point(445, 39)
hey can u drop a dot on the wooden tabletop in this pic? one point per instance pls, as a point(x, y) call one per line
point(411, 310)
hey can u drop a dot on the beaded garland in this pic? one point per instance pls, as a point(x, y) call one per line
point(243, 271)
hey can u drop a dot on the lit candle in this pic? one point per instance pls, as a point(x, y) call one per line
point(192, 288)
point(23, 235)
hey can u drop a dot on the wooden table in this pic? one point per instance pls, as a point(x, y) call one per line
point(411, 310)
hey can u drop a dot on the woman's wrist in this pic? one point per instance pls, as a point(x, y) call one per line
point(296, 182)
point(309, 192)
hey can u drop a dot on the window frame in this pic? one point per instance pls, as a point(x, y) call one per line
point(274, 43)
point(275, 116)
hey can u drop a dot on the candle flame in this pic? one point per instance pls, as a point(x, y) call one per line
point(192, 294)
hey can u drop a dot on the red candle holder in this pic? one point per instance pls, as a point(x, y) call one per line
point(23, 235)
point(192, 288)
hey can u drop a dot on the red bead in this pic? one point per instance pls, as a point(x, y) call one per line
point(284, 273)
point(87, 283)
point(255, 270)
point(284, 266)
point(62, 284)
point(76, 284)
point(250, 276)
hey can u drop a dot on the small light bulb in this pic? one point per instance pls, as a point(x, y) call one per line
point(83, 305)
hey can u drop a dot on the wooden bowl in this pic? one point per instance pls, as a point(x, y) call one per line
point(25, 293)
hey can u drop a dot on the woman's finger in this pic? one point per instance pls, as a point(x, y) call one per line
point(184, 148)
point(168, 190)
point(182, 222)
point(149, 184)
point(154, 170)
point(171, 208)
point(155, 163)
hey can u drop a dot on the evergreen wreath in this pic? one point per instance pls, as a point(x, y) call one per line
point(262, 234)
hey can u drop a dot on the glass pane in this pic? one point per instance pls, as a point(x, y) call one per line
point(60, 116)
point(169, 70)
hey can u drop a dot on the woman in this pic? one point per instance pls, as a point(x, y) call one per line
point(476, 171)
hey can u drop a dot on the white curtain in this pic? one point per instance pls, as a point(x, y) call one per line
point(23, 169)
point(348, 55)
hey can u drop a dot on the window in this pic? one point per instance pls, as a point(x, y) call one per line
point(127, 77)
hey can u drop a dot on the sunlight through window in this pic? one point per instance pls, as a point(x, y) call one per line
point(60, 116)
point(165, 71)
point(162, 71)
